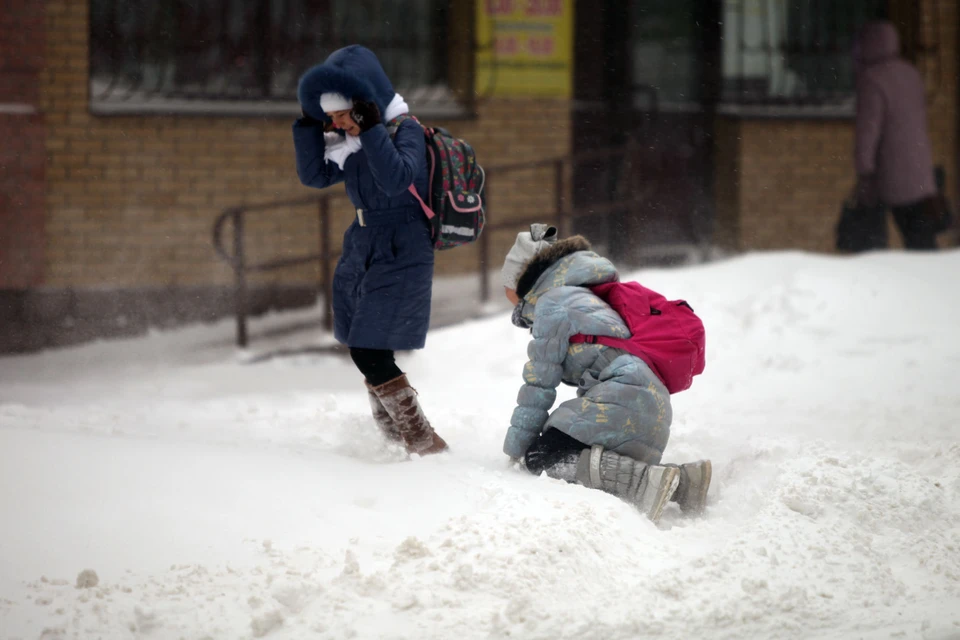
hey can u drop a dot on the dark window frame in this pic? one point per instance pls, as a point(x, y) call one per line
point(814, 53)
point(201, 57)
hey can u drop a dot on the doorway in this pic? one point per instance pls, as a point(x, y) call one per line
point(647, 77)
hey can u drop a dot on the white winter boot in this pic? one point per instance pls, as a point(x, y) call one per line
point(694, 484)
point(646, 486)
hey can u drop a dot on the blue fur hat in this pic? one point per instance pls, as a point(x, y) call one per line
point(353, 72)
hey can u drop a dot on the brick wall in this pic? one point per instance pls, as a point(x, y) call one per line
point(105, 222)
point(794, 176)
point(791, 176)
point(125, 203)
point(22, 153)
point(131, 200)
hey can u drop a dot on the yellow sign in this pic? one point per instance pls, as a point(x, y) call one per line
point(525, 48)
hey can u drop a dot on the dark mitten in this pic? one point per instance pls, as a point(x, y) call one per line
point(307, 120)
point(365, 114)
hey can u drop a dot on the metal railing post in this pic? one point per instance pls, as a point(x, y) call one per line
point(484, 251)
point(558, 198)
point(237, 259)
point(240, 278)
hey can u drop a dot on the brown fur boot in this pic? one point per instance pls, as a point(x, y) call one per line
point(399, 400)
point(381, 417)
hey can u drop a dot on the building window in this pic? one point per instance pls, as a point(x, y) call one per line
point(666, 41)
point(246, 56)
point(792, 53)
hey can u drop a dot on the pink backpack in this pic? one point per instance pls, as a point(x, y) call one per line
point(666, 334)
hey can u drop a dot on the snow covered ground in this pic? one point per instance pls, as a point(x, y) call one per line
point(215, 498)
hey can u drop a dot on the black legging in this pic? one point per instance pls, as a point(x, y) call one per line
point(376, 365)
point(552, 450)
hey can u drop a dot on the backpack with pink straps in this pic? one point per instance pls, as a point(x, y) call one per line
point(455, 204)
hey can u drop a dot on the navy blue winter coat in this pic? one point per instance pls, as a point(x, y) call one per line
point(383, 281)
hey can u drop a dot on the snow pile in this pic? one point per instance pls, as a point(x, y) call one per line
point(218, 499)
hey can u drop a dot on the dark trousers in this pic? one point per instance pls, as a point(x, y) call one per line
point(376, 365)
point(556, 453)
point(916, 226)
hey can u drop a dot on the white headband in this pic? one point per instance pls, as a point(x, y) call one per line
point(331, 102)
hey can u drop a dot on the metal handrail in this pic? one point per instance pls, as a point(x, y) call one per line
point(237, 260)
point(559, 215)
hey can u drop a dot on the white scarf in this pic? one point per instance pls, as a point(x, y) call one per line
point(339, 148)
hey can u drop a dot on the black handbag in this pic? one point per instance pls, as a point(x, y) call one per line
point(861, 227)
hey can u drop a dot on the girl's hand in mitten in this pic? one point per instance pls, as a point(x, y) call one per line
point(365, 114)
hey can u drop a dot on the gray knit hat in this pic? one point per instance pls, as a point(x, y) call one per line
point(528, 244)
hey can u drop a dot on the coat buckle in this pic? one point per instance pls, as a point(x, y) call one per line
point(360, 217)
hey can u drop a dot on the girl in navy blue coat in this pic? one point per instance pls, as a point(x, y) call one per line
point(383, 281)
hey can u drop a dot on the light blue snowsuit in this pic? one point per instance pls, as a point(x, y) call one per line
point(620, 404)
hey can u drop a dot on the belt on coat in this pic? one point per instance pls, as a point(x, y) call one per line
point(381, 217)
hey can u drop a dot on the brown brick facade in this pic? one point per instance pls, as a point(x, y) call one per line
point(105, 221)
point(131, 200)
point(22, 153)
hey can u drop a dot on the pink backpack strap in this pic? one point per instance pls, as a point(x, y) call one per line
point(423, 205)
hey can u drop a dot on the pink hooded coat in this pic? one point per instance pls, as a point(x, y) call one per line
point(891, 124)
